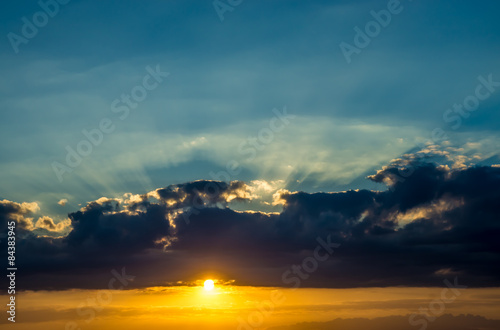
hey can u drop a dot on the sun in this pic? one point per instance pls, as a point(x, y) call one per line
point(209, 285)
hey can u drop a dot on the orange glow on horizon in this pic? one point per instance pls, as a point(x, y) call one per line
point(224, 306)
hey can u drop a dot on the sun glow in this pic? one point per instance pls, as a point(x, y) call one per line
point(209, 285)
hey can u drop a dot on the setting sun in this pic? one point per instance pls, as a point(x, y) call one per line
point(209, 285)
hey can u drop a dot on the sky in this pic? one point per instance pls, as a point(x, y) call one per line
point(269, 145)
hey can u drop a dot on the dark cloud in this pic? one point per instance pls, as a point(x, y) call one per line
point(99, 230)
point(433, 223)
point(202, 193)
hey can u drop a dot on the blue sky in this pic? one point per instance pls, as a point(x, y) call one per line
point(225, 79)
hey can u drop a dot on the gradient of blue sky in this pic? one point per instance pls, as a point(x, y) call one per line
point(225, 78)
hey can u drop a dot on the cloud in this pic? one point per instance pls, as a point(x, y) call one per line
point(18, 212)
point(62, 202)
point(26, 227)
point(48, 224)
point(432, 222)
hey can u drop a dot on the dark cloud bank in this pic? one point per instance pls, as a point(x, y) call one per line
point(434, 224)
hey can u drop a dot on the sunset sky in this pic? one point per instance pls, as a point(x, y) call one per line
point(333, 162)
